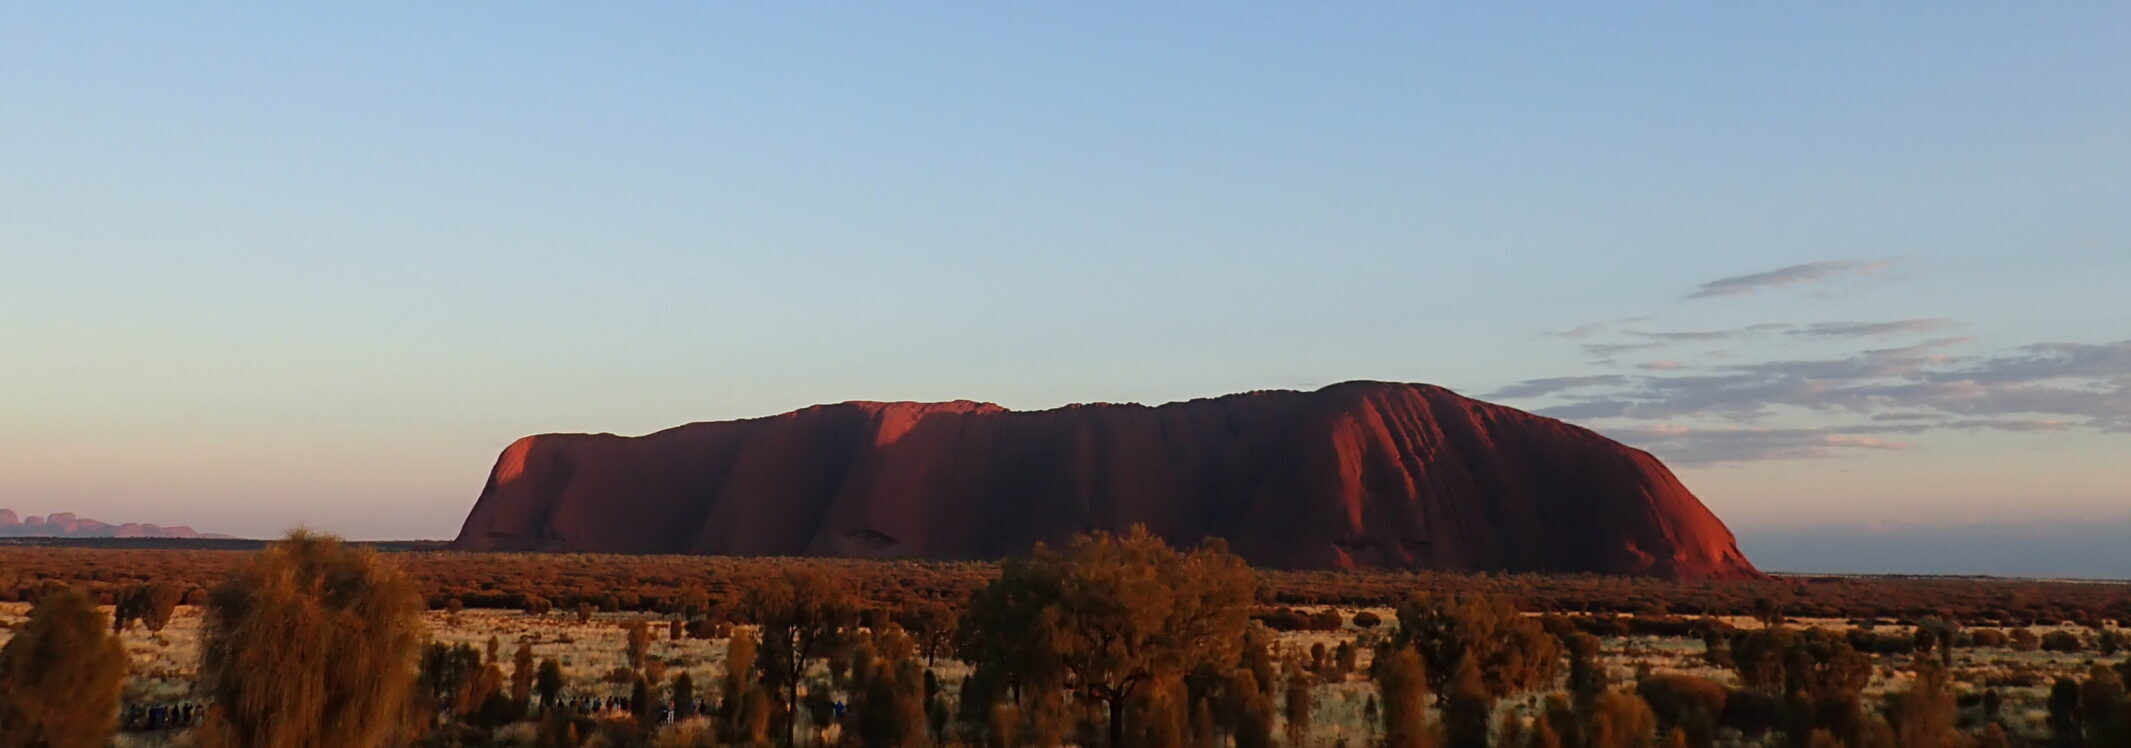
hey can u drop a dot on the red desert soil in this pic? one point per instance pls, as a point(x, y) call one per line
point(1359, 474)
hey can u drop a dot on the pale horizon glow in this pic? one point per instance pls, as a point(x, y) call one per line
point(1842, 267)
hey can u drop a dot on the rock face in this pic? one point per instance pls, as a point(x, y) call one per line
point(66, 525)
point(1360, 474)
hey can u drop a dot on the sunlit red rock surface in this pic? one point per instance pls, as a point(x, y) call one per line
point(1360, 474)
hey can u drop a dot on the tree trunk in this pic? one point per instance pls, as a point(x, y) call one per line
point(1117, 722)
point(791, 713)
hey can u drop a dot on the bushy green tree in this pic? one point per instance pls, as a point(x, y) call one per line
point(312, 643)
point(60, 676)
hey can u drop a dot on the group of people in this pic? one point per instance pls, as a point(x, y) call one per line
point(152, 717)
point(666, 710)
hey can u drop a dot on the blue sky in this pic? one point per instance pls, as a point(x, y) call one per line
point(262, 265)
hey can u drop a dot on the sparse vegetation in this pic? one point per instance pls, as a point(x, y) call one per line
point(972, 654)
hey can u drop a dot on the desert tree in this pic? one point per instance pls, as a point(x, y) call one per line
point(930, 623)
point(445, 675)
point(1298, 700)
point(1685, 702)
point(150, 603)
point(1509, 651)
point(548, 682)
point(1818, 675)
point(485, 703)
point(800, 612)
point(1111, 613)
point(523, 673)
point(1402, 680)
point(2064, 717)
point(1160, 714)
point(1587, 674)
point(1345, 658)
point(636, 642)
point(2103, 711)
point(1013, 689)
point(1477, 649)
point(890, 690)
point(1925, 715)
point(1250, 709)
point(1620, 719)
point(60, 676)
point(312, 642)
point(684, 696)
point(1467, 705)
point(159, 601)
point(642, 695)
point(743, 708)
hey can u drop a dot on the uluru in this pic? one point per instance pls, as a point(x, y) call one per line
point(1353, 475)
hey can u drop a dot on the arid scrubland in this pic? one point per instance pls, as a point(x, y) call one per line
point(1256, 668)
point(164, 667)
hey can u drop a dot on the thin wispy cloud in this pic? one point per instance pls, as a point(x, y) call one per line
point(1703, 336)
point(1702, 446)
point(1606, 351)
point(1794, 275)
point(1581, 332)
point(1555, 385)
point(1874, 329)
